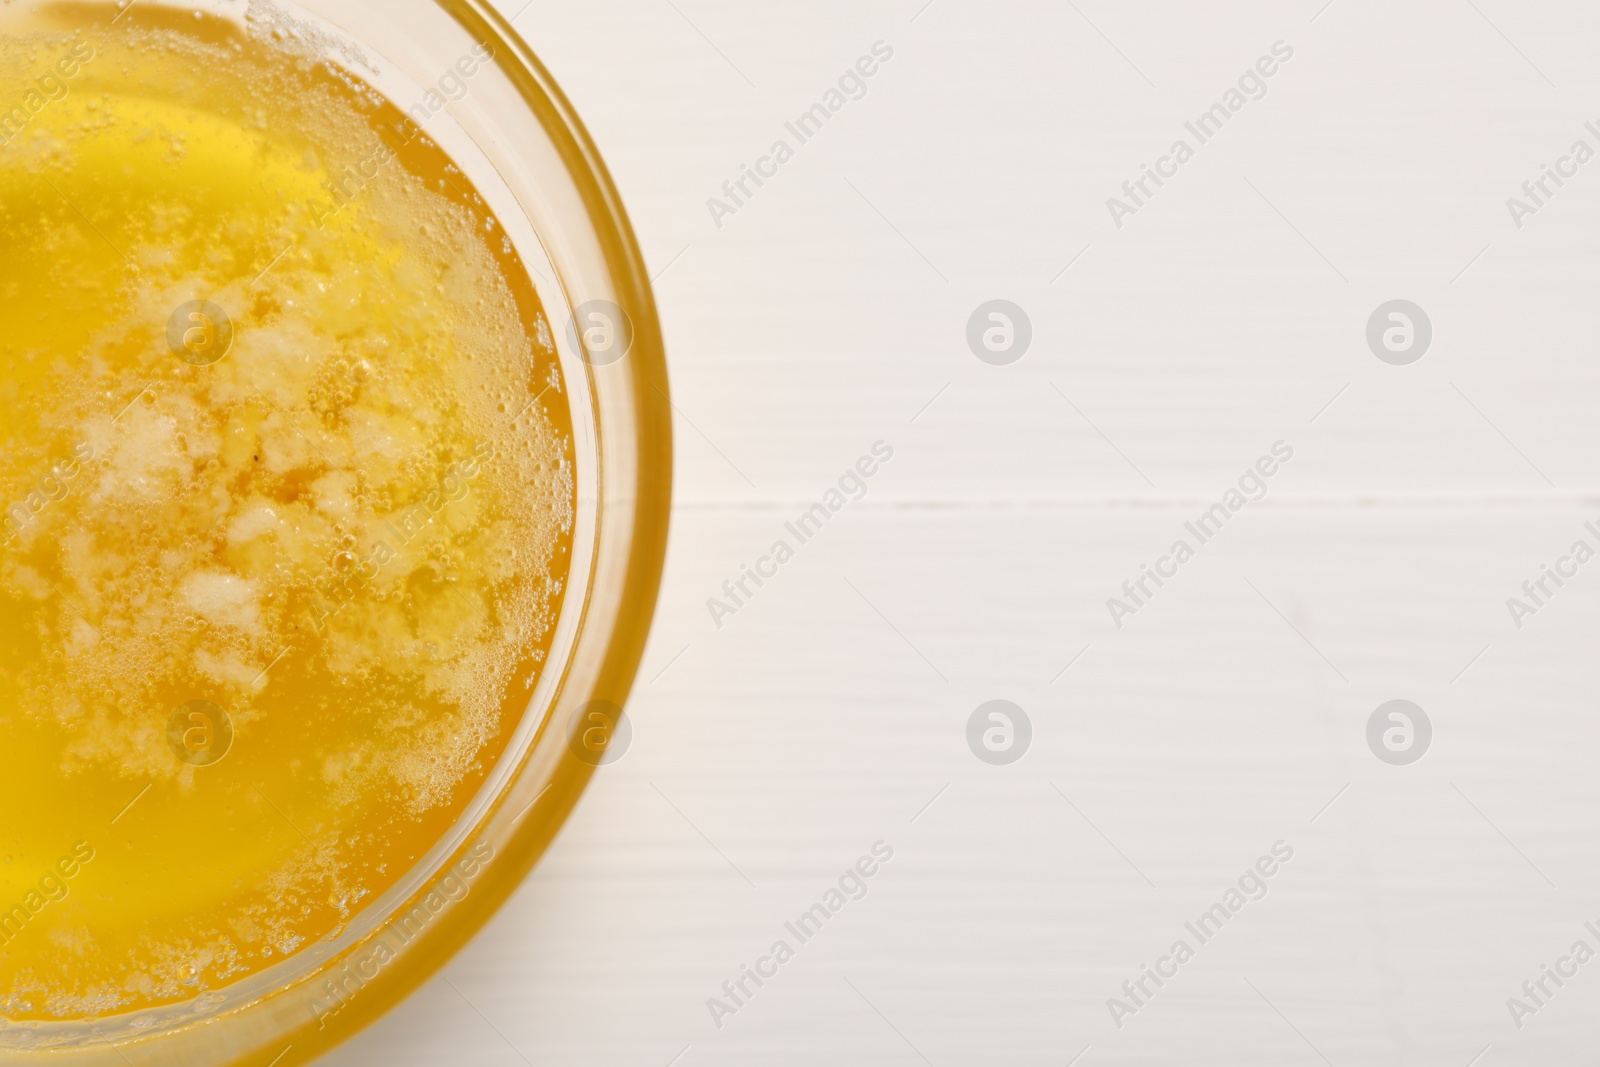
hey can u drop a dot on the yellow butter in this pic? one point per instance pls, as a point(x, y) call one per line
point(348, 534)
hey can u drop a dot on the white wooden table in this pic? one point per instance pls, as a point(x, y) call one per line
point(1227, 313)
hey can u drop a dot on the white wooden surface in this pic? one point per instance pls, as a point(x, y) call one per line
point(771, 753)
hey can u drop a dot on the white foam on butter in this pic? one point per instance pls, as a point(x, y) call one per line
point(222, 598)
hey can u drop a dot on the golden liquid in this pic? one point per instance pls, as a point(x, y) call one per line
point(348, 535)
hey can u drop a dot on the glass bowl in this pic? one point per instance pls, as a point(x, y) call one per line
point(510, 128)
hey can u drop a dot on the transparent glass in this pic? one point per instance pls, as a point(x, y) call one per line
point(518, 139)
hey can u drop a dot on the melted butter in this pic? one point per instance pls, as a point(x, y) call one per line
point(334, 516)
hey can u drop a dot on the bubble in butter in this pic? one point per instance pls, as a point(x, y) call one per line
point(287, 491)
